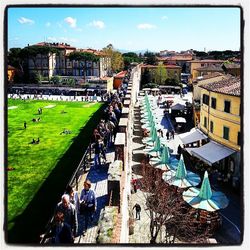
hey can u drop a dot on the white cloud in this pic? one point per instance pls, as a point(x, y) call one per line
point(71, 21)
point(97, 24)
point(164, 17)
point(48, 24)
point(24, 20)
point(144, 26)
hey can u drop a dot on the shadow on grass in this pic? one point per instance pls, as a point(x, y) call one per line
point(31, 223)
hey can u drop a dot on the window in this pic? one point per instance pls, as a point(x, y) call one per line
point(227, 105)
point(239, 138)
point(226, 133)
point(211, 126)
point(205, 99)
point(205, 121)
point(213, 103)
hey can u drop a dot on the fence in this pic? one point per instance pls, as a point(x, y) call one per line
point(74, 180)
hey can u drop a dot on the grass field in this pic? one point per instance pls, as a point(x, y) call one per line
point(33, 163)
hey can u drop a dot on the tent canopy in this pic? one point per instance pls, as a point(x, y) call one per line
point(178, 106)
point(211, 152)
point(193, 136)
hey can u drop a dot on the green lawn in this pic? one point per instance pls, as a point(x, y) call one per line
point(33, 163)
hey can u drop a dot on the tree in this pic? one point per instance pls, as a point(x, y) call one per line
point(129, 58)
point(150, 58)
point(160, 74)
point(168, 212)
point(83, 57)
point(117, 62)
point(146, 77)
point(55, 79)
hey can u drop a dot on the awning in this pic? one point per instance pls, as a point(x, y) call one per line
point(180, 120)
point(211, 152)
point(178, 106)
point(193, 136)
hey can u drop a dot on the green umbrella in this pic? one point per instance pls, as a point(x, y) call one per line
point(205, 198)
point(181, 171)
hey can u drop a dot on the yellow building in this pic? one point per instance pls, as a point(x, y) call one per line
point(220, 120)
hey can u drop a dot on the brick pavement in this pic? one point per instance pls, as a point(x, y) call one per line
point(98, 178)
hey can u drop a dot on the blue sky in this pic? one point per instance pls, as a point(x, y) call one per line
point(127, 28)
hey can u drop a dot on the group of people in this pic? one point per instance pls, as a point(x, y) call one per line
point(69, 211)
point(170, 134)
point(103, 134)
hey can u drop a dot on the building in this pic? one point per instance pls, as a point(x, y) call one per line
point(59, 63)
point(220, 120)
point(211, 78)
point(231, 68)
point(179, 60)
point(208, 65)
point(172, 71)
point(118, 79)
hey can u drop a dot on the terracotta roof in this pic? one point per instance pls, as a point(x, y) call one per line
point(212, 75)
point(94, 51)
point(231, 66)
point(181, 57)
point(229, 86)
point(121, 74)
point(217, 68)
point(168, 66)
point(55, 45)
point(206, 61)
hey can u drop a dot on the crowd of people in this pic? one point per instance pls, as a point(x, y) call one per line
point(74, 208)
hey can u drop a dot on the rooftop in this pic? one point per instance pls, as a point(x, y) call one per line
point(168, 66)
point(216, 68)
point(206, 61)
point(229, 86)
point(55, 45)
point(231, 66)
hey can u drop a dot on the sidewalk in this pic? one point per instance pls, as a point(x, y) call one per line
point(98, 178)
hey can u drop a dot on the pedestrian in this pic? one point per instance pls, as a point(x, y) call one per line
point(134, 184)
point(73, 197)
point(179, 150)
point(25, 125)
point(172, 132)
point(69, 211)
point(88, 204)
point(97, 151)
point(167, 135)
point(137, 208)
point(60, 231)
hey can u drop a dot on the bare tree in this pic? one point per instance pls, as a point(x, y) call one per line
point(169, 212)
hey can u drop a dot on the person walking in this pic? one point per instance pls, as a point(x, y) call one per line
point(137, 208)
point(88, 204)
point(73, 197)
point(172, 132)
point(167, 135)
point(97, 150)
point(60, 232)
point(25, 125)
point(69, 212)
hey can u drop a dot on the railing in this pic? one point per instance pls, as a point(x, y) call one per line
point(74, 180)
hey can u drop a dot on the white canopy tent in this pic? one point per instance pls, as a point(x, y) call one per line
point(193, 135)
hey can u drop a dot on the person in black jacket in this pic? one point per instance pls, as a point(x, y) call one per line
point(137, 208)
